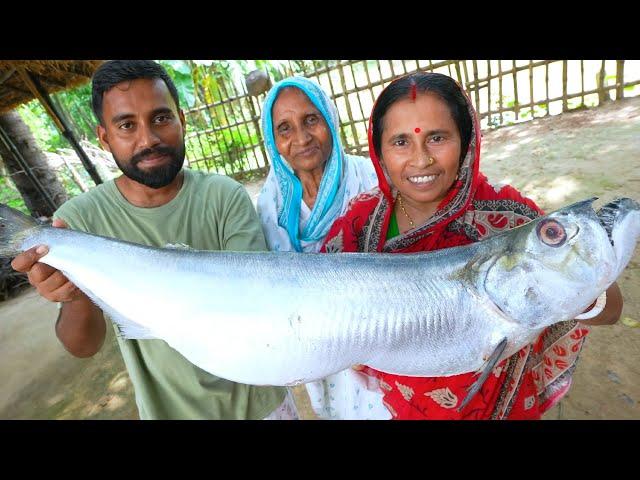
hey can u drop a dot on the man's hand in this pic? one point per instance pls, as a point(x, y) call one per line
point(50, 283)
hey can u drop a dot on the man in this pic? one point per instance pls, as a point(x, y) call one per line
point(155, 202)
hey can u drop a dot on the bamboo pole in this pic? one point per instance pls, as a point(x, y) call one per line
point(489, 89)
point(500, 105)
point(602, 95)
point(458, 73)
point(246, 122)
point(619, 79)
point(565, 105)
point(546, 82)
point(582, 82)
point(572, 95)
point(343, 83)
point(369, 87)
point(75, 175)
point(334, 96)
point(477, 88)
point(531, 86)
point(36, 89)
point(515, 90)
point(256, 124)
point(467, 85)
point(512, 70)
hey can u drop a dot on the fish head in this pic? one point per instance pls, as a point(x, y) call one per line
point(553, 268)
point(621, 220)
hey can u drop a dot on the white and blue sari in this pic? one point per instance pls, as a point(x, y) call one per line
point(290, 225)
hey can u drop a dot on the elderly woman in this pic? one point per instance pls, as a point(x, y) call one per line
point(309, 185)
point(424, 140)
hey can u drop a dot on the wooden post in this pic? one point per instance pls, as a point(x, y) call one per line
point(619, 79)
point(41, 94)
point(476, 85)
point(531, 101)
point(490, 122)
point(516, 104)
point(603, 96)
point(565, 104)
point(500, 105)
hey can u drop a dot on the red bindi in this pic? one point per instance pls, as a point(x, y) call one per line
point(417, 130)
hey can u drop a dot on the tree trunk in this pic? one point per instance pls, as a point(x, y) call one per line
point(25, 143)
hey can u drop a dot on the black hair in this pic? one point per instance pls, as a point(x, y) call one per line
point(442, 85)
point(113, 72)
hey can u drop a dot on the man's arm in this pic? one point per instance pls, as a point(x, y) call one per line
point(80, 326)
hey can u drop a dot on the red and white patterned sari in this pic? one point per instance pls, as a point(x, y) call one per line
point(521, 387)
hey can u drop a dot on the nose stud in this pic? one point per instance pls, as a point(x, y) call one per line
point(431, 161)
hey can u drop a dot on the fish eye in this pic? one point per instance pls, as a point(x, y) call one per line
point(551, 233)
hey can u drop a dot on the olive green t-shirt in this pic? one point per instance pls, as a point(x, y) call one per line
point(210, 212)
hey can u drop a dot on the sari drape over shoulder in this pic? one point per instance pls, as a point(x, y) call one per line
point(289, 225)
point(520, 387)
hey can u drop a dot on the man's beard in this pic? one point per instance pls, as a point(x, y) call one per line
point(156, 177)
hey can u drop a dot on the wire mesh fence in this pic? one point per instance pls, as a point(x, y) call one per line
point(223, 126)
point(225, 136)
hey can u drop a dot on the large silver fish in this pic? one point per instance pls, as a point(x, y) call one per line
point(285, 318)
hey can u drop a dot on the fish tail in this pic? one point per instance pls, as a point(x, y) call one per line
point(15, 226)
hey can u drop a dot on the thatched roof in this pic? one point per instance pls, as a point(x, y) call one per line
point(53, 75)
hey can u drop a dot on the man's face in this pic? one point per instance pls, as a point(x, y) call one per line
point(144, 131)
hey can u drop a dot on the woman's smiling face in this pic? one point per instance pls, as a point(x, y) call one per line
point(301, 133)
point(414, 132)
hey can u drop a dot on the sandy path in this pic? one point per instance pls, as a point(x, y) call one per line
point(554, 160)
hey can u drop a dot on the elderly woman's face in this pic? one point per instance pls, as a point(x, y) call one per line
point(414, 132)
point(301, 133)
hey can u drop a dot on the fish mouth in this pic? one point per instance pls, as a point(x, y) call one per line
point(609, 214)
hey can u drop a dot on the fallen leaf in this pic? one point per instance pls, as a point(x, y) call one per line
point(630, 322)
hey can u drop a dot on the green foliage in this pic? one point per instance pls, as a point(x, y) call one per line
point(69, 184)
point(509, 102)
point(75, 105)
point(180, 73)
point(632, 89)
point(47, 136)
point(223, 150)
point(536, 111)
point(9, 195)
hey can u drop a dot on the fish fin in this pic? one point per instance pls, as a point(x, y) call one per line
point(486, 370)
point(129, 330)
point(15, 226)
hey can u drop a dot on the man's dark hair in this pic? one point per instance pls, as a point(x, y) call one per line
point(113, 72)
point(442, 85)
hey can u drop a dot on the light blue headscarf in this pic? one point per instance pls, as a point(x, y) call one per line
point(331, 193)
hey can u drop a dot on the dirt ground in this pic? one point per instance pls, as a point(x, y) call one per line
point(555, 161)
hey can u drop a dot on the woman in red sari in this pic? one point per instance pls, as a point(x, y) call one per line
point(424, 141)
